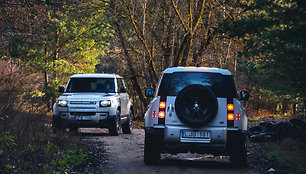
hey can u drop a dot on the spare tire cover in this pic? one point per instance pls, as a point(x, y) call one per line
point(196, 105)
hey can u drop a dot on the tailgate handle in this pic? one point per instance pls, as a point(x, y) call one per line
point(170, 108)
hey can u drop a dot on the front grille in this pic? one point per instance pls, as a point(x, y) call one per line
point(83, 102)
point(83, 113)
point(82, 107)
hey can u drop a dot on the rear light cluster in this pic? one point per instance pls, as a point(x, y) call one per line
point(161, 111)
point(162, 108)
point(230, 113)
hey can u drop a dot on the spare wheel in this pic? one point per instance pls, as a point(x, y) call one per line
point(196, 105)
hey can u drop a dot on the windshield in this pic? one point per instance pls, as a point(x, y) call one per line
point(222, 85)
point(101, 85)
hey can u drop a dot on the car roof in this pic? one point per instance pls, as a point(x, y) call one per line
point(197, 69)
point(96, 75)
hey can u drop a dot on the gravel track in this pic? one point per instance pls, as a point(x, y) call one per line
point(124, 154)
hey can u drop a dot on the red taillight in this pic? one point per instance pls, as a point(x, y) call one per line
point(154, 114)
point(230, 107)
point(162, 105)
point(237, 116)
point(230, 112)
point(230, 116)
point(162, 110)
point(161, 114)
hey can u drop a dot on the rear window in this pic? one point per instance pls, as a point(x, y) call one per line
point(105, 85)
point(222, 85)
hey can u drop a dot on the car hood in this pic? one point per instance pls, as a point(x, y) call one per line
point(85, 96)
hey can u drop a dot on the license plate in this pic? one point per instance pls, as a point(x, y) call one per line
point(82, 117)
point(196, 134)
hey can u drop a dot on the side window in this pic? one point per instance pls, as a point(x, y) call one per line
point(158, 84)
point(123, 83)
point(119, 83)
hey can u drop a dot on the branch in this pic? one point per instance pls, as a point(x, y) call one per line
point(141, 38)
point(198, 15)
point(178, 14)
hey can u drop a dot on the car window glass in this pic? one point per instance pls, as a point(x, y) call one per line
point(221, 85)
point(91, 85)
point(119, 83)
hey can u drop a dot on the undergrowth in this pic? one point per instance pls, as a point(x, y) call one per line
point(288, 153)
point(28, 146)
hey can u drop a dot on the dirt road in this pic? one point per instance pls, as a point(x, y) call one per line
point(124, 154)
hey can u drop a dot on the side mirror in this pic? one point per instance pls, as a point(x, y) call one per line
point(244, 95)
point(61, 89)
point(122, 89)
point(149, 92)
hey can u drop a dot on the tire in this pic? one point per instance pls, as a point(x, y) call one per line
point(128, 126)
point(196, 105)
point(74, 130)
point(151, 153)
point(57, 125)
point(238, 152)
point(115, 127)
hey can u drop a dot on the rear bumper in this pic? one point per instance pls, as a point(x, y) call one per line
point(169, 140)
point(173, 135)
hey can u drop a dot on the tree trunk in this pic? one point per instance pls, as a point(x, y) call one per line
point(130, 67)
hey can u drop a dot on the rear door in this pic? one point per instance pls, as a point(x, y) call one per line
point(223, 87)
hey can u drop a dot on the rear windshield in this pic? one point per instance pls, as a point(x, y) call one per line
point(91, 85)
point(222, 85)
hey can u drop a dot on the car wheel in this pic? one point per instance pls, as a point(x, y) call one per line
point(238, 152)
point(57, 125)
point(196, 105)
point(74, 130)
point(151, 153)
point(115, 128)
point(128, 126)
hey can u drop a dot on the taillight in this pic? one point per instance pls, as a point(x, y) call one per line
point(162, 105)
point(162, 110)
point(237, 116)
point(161, 114)
point(230, 112)
point(154, 114)
point(230, 107)
point(230, 116)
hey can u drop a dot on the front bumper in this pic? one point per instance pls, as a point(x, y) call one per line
point(85, 119)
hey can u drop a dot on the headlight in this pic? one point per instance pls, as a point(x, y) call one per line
point(62, 103)
point(105, 103)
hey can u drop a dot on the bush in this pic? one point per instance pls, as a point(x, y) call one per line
point(26, 142)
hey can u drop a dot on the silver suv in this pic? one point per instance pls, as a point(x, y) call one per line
point(94, 100)
point(197, 110)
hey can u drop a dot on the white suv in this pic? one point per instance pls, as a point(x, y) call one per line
point(94, 100)
point(197, 110)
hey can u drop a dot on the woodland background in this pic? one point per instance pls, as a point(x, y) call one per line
point(261, 41)
point(44, 42)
